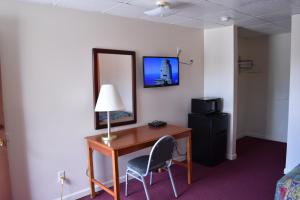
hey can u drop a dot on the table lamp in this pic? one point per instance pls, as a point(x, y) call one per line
point(109, 100)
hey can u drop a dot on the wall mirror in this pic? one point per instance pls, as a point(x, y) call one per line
point(116, 67)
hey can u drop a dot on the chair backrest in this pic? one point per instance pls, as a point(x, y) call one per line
point(161, 152)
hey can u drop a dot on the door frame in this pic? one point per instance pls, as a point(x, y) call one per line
point(5, 183)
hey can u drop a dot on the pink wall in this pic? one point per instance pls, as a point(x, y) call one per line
point(48, 90)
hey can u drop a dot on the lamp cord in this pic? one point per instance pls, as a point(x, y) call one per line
point(177, 151)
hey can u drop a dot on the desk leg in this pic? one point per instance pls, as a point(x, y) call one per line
point(116, 175)
point(189, 158)
point(91, 173)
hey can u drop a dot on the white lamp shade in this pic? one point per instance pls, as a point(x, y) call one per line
point(109, 99)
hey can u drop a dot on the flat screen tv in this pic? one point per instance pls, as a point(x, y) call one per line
point(161, 71)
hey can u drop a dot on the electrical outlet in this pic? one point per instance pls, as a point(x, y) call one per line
point(60, 175)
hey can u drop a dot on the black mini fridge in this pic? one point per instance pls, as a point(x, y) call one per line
point(209, 137)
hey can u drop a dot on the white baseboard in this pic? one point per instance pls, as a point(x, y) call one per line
point(86, 191)
point(286, 170)
point(262, 136)
point(268, 137)
point(232, 156)
point(240, 135)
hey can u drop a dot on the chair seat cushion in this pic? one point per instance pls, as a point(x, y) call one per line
point(139, 164)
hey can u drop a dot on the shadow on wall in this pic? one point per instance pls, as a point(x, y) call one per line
point(13, 107)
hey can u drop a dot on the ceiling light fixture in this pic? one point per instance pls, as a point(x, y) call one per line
point(225, 18)
point(162, 9)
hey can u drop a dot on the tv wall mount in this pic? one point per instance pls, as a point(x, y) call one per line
point(185, 63)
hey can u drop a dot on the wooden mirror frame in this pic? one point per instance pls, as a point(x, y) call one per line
point(96, 51)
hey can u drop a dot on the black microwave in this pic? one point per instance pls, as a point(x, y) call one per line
point(207, 105)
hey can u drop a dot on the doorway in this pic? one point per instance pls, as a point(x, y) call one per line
point(263, 85)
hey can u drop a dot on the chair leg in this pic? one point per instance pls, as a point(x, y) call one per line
point(151, 178)
point(145, 188)
point(172, 181)
point(126, 184)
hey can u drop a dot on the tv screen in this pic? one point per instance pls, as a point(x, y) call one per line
point(161, 71)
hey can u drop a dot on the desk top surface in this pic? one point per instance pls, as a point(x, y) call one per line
point(138, 136)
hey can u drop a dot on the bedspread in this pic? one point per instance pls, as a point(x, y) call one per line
point(288, 187)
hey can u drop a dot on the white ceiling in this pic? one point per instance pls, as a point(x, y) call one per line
point(264, 16)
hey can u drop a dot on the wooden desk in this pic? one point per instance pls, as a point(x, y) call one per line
point(131, 140)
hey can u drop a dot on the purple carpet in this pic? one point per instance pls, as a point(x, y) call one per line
point(252, 176)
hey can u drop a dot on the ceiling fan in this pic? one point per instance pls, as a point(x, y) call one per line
point(163, 9)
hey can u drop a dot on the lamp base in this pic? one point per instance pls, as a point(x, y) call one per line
point(106, 138)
